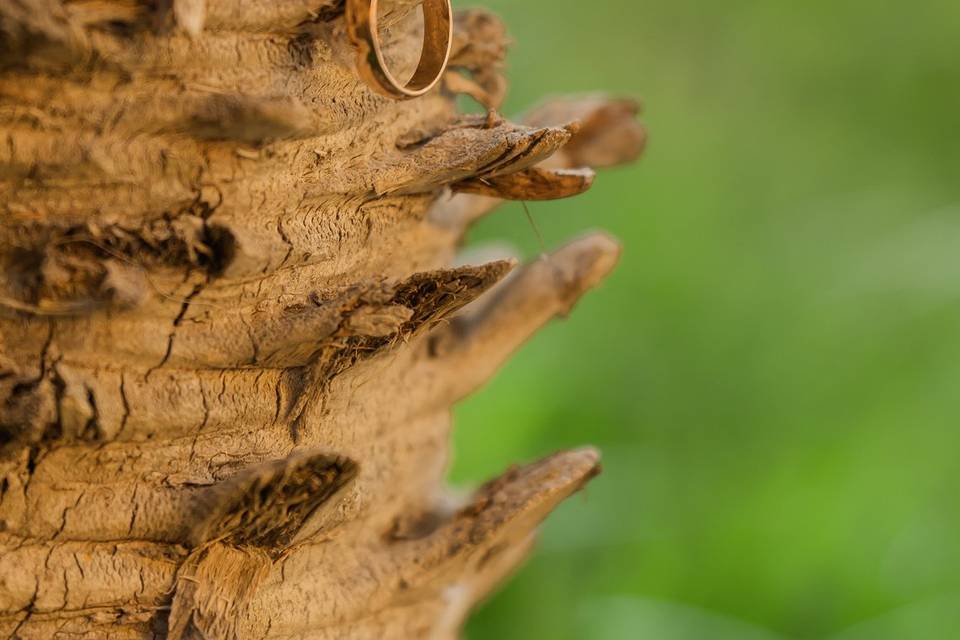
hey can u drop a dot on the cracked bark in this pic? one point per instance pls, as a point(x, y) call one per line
point(231, 331)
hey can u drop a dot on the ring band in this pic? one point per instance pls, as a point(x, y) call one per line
point(361, 18)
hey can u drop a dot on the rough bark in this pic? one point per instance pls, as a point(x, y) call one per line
point(231, 327)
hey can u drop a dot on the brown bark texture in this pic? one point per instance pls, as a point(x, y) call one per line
point(234, 319)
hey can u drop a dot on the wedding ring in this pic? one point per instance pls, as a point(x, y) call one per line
point(361, 18)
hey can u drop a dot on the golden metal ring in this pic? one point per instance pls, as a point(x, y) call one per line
point(361, 17)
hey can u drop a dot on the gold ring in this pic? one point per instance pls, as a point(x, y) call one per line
point(361, 17)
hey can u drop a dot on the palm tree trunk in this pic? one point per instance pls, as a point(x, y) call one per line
point(231, 331)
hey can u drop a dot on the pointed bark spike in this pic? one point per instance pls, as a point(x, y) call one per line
point(470, 149)
point(482, 338)
point(480, 44)
point(604, 132)
point(535, 183)
point(609, 132)
point(445, 568)
point(504, 510)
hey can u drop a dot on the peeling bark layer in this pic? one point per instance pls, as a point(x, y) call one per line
point(230, 331)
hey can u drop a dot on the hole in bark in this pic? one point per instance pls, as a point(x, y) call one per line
point(28, 416)
point(92, 430)
point(334, 11)
point(301, 50)
point(223, 248)
point(22, 270)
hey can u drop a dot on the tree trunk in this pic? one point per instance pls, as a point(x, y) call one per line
point(231, 331)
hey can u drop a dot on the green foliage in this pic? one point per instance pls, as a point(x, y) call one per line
point(773, 373)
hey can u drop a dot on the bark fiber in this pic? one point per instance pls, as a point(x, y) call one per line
point(233, 319)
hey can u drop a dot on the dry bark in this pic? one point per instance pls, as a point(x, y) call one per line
point(231, 331)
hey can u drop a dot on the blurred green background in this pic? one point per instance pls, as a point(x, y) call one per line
point(773, 372)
